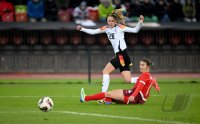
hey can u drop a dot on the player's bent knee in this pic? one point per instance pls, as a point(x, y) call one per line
point(105, 72)
point(108, 94)
point(127, 80)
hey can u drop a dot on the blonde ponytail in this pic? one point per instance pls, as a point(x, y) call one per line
point(120, 15)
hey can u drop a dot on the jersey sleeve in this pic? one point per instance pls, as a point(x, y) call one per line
point(141, 83)
point(144, 78)
point(132, 30)
point(94, 31)
point(138, 89)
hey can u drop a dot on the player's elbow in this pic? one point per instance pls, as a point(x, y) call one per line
point(109, 94)
point(137, 30)
point(134, 30)
point(92, 33)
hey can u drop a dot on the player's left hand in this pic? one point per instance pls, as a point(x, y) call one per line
point(155, 85)
point(141, 19)
point(79, 27)
point(131, 99)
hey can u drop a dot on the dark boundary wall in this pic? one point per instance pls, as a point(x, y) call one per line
point(57, 48)
point(77, 61)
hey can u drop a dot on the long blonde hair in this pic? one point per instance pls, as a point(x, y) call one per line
point(120, 15)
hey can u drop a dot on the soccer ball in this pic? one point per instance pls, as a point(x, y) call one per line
point(45, 104)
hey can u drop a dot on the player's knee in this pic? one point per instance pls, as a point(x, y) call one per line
point(108, 94)
point(105, 71)
point(127, 80)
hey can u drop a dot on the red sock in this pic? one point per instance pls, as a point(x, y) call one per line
point(97, 96)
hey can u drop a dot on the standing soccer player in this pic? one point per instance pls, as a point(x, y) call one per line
point(115, 33)
point(137, 95)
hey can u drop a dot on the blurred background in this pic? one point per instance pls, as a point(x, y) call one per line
point(39, 36)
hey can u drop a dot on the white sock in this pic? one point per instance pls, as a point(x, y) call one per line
point(105, 82)
point(134, 80)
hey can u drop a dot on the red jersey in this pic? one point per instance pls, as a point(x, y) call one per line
point(143, 85)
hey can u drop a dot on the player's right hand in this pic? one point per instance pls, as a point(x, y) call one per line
point(130, 99)
point(79, 28)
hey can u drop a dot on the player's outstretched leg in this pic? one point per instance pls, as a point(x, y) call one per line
point(97, 96)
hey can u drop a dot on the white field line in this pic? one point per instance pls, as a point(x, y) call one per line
point(123, 117)
point(101, 115)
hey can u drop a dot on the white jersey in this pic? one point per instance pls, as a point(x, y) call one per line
point(115, 34)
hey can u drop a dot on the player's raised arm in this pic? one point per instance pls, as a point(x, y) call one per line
point(136, 29)
point(90, 31)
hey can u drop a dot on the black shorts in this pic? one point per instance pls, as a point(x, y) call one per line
point(121, 61)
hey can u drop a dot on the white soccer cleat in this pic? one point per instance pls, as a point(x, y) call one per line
point(82, 95)
point(103, 101)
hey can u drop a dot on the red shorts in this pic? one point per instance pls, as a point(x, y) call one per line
point(128, 93)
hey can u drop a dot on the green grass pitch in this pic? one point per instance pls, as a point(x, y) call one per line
point(178, 102)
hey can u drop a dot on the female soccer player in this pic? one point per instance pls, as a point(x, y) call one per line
point(137, 95)
point(115, 33)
